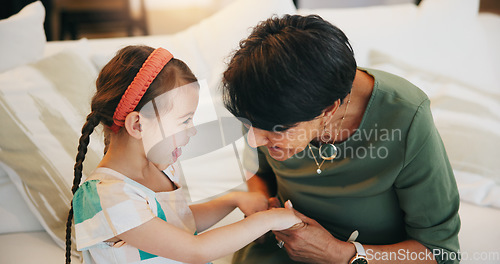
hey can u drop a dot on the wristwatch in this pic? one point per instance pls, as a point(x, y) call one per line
point(360, 257)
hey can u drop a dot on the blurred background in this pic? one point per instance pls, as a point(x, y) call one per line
point(75, 19)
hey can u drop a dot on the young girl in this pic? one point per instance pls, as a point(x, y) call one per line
point(131, 211)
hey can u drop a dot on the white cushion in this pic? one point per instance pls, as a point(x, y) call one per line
point(23, 37)
point(367, 26)
point(42, 107)
point(446, 39)
point(441, 36)
point(479, 234)
point(15, 215)
point(31, 247)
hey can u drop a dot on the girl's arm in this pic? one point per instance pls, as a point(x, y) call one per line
point(163, 239)
point(209, 213)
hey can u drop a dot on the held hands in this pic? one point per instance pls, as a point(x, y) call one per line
point(305, 240)
point(285, 218)
point(273, 203)
point(253, 202)
point(312, 243)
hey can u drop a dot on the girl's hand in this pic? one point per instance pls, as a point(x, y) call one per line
point(285, 218)
point(250, 202)
point(273, 202)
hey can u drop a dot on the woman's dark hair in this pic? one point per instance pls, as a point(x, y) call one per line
point(288, 70)
point(111, 84)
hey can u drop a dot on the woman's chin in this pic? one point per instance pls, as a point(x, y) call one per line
point(278, 155)
point(280, 158)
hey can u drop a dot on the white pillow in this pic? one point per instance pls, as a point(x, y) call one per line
point(23, 37)
point(42, 107)
point(221, 33)
point(15, 215)
point(448, 40)
point(367, 26)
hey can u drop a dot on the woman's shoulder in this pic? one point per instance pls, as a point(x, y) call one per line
point(396, 88)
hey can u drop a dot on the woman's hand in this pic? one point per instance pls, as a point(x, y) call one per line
point(250, 202)
point(312, 243)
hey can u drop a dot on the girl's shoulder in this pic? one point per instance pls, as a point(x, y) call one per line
point(106, 174)
point(109, 180)
point(104, 181)
point(106, 188)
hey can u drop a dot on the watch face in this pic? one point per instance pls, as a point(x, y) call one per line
point(360, 261)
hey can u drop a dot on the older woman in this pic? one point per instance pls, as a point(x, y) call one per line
point(352, 148)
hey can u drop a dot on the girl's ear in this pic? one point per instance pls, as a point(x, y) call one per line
point(133, 125)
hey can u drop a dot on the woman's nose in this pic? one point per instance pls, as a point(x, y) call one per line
point(256, 137)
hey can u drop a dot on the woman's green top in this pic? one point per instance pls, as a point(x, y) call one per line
point(391, 180)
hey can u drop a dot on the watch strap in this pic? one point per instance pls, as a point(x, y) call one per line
point(353, 236)
point(359, 248)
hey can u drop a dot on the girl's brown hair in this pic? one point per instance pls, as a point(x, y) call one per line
point(111, 84)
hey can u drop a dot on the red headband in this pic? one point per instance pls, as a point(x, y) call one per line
point(146, 75)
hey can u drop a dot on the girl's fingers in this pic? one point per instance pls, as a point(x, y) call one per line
point(298, 226)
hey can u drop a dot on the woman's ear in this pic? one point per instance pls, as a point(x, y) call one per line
point(329, 111)
point(133, 125)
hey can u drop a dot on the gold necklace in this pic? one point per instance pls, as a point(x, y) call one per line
point(335, 151)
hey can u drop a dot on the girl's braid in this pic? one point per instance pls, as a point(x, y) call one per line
point(93, 119)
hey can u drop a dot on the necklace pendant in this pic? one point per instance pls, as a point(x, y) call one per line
point(318, 171)
point(328, 151)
